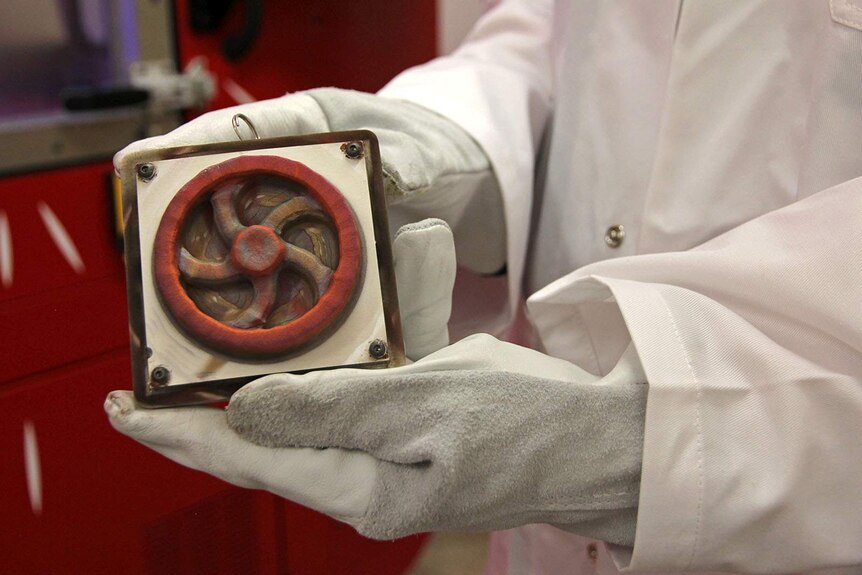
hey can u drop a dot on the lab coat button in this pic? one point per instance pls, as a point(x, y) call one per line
point(615, 235)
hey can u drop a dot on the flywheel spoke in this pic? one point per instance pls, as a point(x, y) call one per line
point(224, 210)
point(196, 270)
point(307, 263)
point(256, 314)
point(290, 211)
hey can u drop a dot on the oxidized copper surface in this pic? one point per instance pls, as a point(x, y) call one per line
point(257, 256)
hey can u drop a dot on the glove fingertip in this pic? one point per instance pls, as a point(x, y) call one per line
point(119, 404)
point(124, 415)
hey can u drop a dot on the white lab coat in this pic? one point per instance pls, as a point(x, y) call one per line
point(726, 137)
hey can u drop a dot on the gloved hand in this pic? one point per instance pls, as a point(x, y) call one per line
point(479, 435)
point(431, 167)
point(199, 437)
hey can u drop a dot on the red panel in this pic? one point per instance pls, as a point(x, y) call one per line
point(357, 45)
point(79, 199)
point(60, 309)
point(110, 505)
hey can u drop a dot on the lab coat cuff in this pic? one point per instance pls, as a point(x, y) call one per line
point(673, 462)
point(673, 468)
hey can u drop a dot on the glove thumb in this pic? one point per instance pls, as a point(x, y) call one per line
point(424, 255)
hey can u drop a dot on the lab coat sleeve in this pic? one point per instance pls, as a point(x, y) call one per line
point(497, 86)
point(752, 346)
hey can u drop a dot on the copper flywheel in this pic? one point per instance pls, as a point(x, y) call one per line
point(258, 256)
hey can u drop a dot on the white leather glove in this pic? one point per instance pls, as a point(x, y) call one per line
point(479, 435)
point(431, 167)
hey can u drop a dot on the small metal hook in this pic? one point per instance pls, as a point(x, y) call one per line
point(235, 123)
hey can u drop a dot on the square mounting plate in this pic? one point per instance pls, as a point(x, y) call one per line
point(231, 263)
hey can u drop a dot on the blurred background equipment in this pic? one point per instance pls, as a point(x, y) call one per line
point(79, 79)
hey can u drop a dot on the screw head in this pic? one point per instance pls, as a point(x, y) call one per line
point(146, 172)
point(377, 349)
point(160, 376)
point(353, 150)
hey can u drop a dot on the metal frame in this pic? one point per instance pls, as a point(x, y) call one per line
point(207, 392)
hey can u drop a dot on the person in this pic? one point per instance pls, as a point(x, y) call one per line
point(676, 187)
